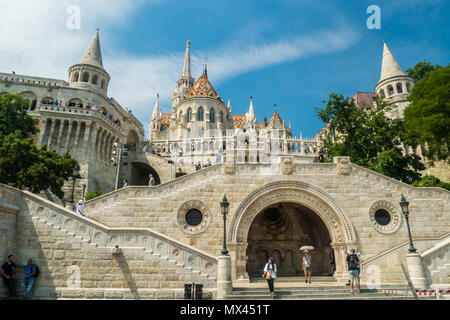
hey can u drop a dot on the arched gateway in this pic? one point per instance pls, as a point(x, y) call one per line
point(315, 204)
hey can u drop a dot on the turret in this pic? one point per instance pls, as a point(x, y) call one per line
point(394, 85)
point(155, 120)
point(89, 72)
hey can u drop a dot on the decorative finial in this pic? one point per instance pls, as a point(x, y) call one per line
point(188, 43)
point(205, 71)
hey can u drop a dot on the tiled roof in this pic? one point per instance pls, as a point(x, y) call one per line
point(202, 88)
point(238, 120)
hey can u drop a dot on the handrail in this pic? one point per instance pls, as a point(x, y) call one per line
point(398, 246)
point(438, 246)
point(106, 229)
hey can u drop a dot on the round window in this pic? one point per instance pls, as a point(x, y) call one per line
point(194, 217)
point(382, 217)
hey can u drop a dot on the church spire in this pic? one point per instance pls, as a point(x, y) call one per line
point(389, 66)
point(250, 116)
point(156, 115)
point(93, 54)
point(187, 61)
point(229, 105)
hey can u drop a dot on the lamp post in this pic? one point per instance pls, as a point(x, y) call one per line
point(224, 206)
point(76, 171)
point(404, 205)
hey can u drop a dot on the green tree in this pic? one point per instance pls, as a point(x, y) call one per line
point(14, 117)
point(368, 137)
point(22, 164)
point(431, 181)
point(421, 70)
point(427, 118)
point(93, 195)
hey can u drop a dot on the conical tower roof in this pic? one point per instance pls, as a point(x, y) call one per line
point(389, 66)
point(202, 88)
point(250, 115)
point(93, 54)
point(187, 61)
point(156, 111)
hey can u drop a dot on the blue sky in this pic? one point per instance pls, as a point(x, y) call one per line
point(285, 52)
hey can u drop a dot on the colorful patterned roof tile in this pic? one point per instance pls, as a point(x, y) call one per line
point(202, 88)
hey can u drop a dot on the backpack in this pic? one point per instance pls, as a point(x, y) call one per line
point(353, 262)
point(36, 274)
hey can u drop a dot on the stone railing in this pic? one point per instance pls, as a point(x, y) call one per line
point(142, 191)
point(8, 77)
point(104, 236)
point(82, 112)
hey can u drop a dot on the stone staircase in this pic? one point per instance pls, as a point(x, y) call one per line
point(137, 198)
point(66, 238)
point(321, 288)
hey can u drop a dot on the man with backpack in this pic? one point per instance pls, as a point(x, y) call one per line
point(31, 273)
point(353, 271)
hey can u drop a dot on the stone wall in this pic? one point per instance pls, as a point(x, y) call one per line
point(354, 194)
point(76, 259)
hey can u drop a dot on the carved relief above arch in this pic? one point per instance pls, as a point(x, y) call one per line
point(339, 225)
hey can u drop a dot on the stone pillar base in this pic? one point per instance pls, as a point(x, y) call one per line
point(416, 270)
point(224, 285)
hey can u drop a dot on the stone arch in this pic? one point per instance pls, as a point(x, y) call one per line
point(76, 76)
point(390, 90)
point(399, 87)
point(339, 225)
point(47, 100)
point(200, 113)
point(85, 77)
point(95, 79)
point(74, 101)
point(103, 85)
point(212, 115)
point(31, 97)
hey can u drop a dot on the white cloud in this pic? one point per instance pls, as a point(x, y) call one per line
point(35, 41)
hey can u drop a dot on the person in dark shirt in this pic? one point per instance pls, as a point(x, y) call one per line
point(353, 270)
point(8, 272)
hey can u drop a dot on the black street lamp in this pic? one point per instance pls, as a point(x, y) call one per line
point(76, 171)
point(224, 206)
point(404, 205)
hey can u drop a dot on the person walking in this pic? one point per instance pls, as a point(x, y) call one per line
point(270, 273)
point(358, 253)
point(28, 281)
point(306, 265)
point(151, 180)
point(353, 272)
point(8, 272)
point(80, 206)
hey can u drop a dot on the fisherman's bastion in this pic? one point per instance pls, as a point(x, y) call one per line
point(147, 242)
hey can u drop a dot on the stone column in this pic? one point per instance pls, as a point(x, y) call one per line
point(61, 129)
point(224, 285)
point(77, 137)
point(238, 252)
point(50, 137)
point(69, 133)
point(42, 133)
point(87, 147)
point(341, 273)
point(416, 270)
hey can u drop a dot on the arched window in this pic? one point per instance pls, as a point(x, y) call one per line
point(95, 79)
point(76, 77)
point(212, 116)
point(221, 117)
point(399, 88)
point(103, 83)
point(85, 77)
point(408, 88)
point(200, 114)
point(390, 90)
point(47, 100)
point(189, 115)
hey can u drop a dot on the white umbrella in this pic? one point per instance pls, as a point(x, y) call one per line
point(309, 248)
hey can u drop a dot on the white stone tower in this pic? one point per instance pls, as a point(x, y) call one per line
point(155, 121)
point(89, 72)
point(250, 117)
point(185, 81)
point(394, 85)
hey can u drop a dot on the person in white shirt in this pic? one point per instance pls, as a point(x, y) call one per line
point(270, 273)
point(80, 206)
